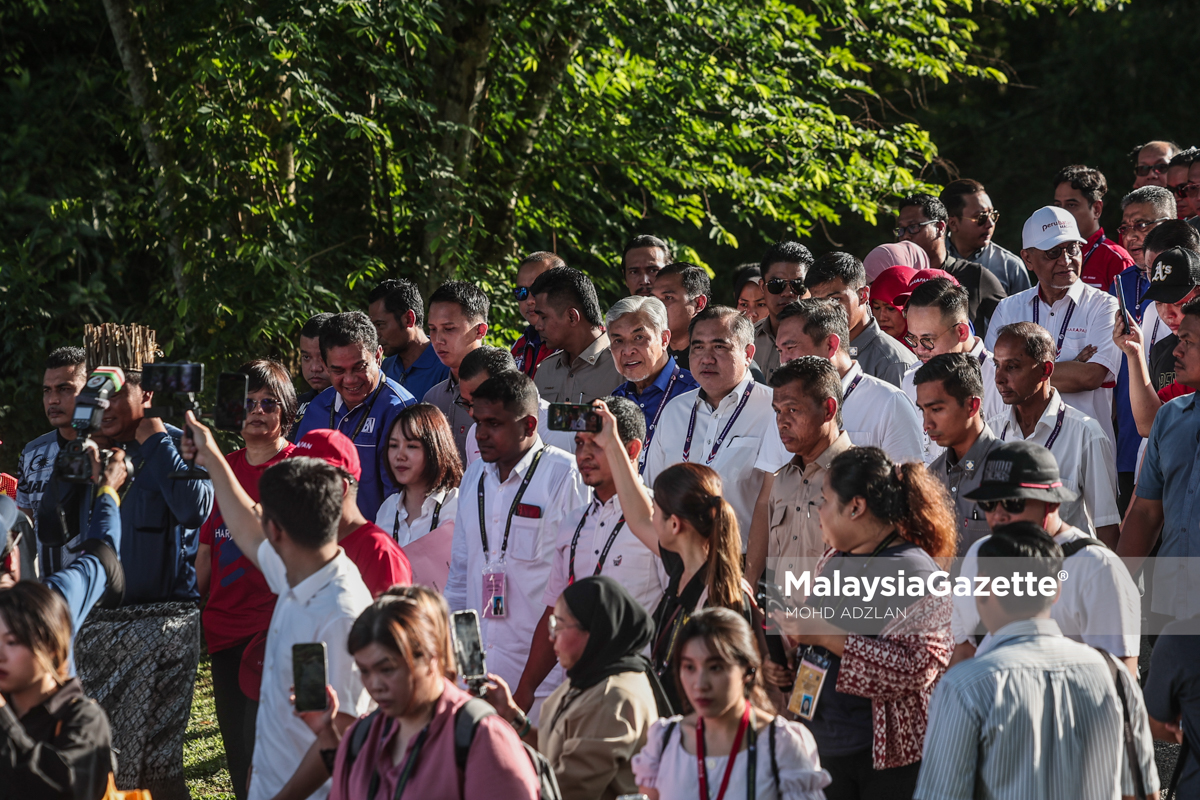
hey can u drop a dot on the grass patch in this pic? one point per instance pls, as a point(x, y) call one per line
point(204, 765)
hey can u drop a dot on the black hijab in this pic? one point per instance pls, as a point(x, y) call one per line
point(619, 629)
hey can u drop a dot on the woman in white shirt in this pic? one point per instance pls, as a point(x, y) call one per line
point(424, 462)
point(716, 667)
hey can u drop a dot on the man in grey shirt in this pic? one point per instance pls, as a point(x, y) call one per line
point(841, 277)
point(1034, 716)
point(972, 225)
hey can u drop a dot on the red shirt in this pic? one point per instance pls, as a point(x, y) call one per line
point(1103, 260)
point(379, 559)
point(528, 355)
point(1172, 390)
point(239, 602)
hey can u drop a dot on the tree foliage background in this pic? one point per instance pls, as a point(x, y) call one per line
point(222, 170)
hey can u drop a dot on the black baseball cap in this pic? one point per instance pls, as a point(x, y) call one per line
point(1175, 273)
point(1021, 469)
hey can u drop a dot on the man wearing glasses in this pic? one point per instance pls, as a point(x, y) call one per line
point(1179, 183)
point(972, 224)
point(1079, 319)
point(1151, 162)
point(922, 220)
point(531, 349)
point(783, 269)
point(1080, 190)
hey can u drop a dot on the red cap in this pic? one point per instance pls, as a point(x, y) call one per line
point(929, 274)
point(332, 447)
point(891, 286)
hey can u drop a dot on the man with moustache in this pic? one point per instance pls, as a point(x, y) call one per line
point(1152, 162)
point(568, 317)
point(685, 291)
point(972, 224)
point(783, 268)
point(643, 257)
point(398, 313)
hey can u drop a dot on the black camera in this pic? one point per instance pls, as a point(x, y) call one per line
point(73, 463)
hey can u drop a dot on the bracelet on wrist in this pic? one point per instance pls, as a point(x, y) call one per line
point(526, 724)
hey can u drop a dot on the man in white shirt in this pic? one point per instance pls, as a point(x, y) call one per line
point(727, 423)
point(1037, 413)
point(524, 489)
point(1078, 317)
point(937, 323)
point(1098, 604)
point(293, 540)
point(593, 540)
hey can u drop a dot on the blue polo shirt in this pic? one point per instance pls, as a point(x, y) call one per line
point(425, 373)
point(655, 395)
point(371, 441)
point(1134, 283)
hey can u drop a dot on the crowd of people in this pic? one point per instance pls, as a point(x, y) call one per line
point(942, 406)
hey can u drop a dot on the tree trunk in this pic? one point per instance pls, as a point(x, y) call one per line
point(140, 73)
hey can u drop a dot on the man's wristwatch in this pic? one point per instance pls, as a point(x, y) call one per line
point(521, 724)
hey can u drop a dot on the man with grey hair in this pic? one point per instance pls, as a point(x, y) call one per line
point(728, 423)
point(639, 338)
point(1143, 210)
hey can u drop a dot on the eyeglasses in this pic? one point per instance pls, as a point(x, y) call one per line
point(267, 404)
point(1140, 226)
point(777, 285)
point(1055, 253)
point(983, 216)
point(1142, 170)
point(1181, 190)
point(1013, 505)
point(521, 293)
point(461, 403)
point(556, 625)
point(913, 229)
point(926, 342)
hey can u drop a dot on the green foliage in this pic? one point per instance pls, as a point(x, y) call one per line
point(312, 148)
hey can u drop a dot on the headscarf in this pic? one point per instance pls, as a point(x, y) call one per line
point(894, 254)
point(619, 629)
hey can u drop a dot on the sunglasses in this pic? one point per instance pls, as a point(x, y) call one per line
point(777, 285)
point(1054, 253)
point(521, 293)
point(983, 216)
point(1142, 170)
point(925, 342)
point(1181, 191)
point(1141, 226)
point(913, 229)
point(268, 405)
point(1013, 505)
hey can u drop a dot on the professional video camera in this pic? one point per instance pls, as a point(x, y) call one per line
point(73, 464)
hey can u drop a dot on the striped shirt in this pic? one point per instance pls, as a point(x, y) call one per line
point(1035, 715)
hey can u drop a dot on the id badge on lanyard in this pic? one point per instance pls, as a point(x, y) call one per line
point(495, 601)
point(810, 677)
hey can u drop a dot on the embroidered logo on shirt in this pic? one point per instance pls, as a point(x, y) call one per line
point(369, 425)
point(853, 352)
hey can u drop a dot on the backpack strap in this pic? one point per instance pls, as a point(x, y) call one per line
point(1184, 750)
point(466, 720)
point(666, 739)
point(1135, 764)
point(774, 761)
point(358, 736)
point(1071, 548)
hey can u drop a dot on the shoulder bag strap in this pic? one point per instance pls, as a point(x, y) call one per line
point(1184, 751)
point(1135, 764)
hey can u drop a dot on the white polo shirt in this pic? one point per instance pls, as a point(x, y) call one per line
point(877, 414)
point(992, 402)
point(1083, 317)
point(393, 516)
point(563, 440)
point(626, 560)
point(554, 491)
point(750, 447)
point(321, 608)
point(1085, 460)
point(1098, 603)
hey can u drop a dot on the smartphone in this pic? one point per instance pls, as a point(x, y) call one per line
point(309, 668)
point(173, 378)
point(575, 417)
point(1121, 303)
point(230, 411)
point(468, 646)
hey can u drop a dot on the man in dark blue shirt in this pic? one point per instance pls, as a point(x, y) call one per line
point(398, 313)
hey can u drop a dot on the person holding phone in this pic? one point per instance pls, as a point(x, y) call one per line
point(239, 605)
point(408, 746)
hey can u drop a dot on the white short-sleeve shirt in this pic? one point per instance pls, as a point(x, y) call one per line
point(877, 414)
point(321, 608)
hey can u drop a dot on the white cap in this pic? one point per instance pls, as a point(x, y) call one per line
point(1049, 227)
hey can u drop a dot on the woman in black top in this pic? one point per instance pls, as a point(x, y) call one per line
point(55, 742)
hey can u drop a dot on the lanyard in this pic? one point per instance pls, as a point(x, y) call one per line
point(654, 422)
point(1062, 332)
point(537, 457)
point(410, 764)
point(1092, 249)
point(1062, 413)
point(437, 513)
point(370, 404)
point(687, 444)
point(853, 385)
point(702, 772)
point(1153, 335)
point(612, 537)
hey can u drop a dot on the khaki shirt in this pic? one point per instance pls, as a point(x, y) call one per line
point(963, 477)
point(593, 373)
point(766, 355)
point(794, 539)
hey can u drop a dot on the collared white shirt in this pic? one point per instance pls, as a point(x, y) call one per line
point(321, 608)
point(1085, 461)
point(1090, 323)
point(628, 561)
point(877, 414)
point(750, 449)
point(992, 402)
point(563, 440)
point(1098, 603)
point(393, 516)
point(556, 490)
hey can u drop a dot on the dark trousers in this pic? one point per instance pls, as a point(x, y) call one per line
point(1124, 491)
point(855, 779)
point(236, 715)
